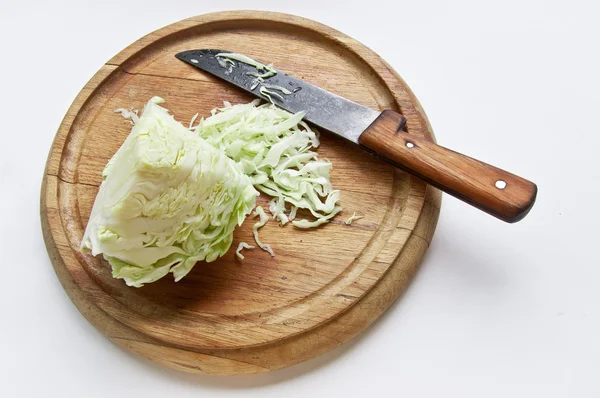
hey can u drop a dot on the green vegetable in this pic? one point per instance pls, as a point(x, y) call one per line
point(353, 217)
point(244, 59)
point(238, 251)
point(276, 149)
point(168, 200)
point(226, 61)
point(261, 222)
point(318, 221)
point(227, 57)
point(279, 88)
point(268, 93)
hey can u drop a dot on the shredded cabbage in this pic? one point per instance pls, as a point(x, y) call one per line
point(292, 214)
point(268, 93)
point(238, 251)
point(226, 61)
point(244, 59)
point(131, 114)
point(353, 217)
point(279, 88)
point(276, 149)
point(168, 200)
point(263, 219)
point(318, 221)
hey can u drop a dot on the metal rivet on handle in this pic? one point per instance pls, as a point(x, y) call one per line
point(500, 184)
point(410, 144)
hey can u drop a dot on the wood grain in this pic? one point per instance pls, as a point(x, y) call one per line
point(231, 317)
point(493, 190)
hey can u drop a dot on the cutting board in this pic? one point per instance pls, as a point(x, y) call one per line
point(323, 287)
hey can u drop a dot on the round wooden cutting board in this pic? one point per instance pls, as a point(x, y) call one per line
point(236, 317)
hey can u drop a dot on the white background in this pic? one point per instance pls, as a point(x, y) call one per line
point(497, 310)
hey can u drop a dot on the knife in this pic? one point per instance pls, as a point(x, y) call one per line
point(488, 188)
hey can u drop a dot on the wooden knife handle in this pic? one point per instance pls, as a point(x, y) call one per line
point(493, 190)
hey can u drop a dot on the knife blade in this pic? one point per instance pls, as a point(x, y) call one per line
point(488, 188)
point(324, 109)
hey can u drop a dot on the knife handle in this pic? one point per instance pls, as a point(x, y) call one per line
point(493, 190)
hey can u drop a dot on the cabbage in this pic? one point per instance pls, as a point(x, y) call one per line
point(168, 200)
point(266, 71)
point(238, 251)
point(276, 149)
point(263, 219)
point(352, 218)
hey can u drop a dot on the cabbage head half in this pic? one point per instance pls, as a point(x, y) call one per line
point(168, 200)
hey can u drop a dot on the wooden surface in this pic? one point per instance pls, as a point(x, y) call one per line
point(493, 190)
point(229, 317)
